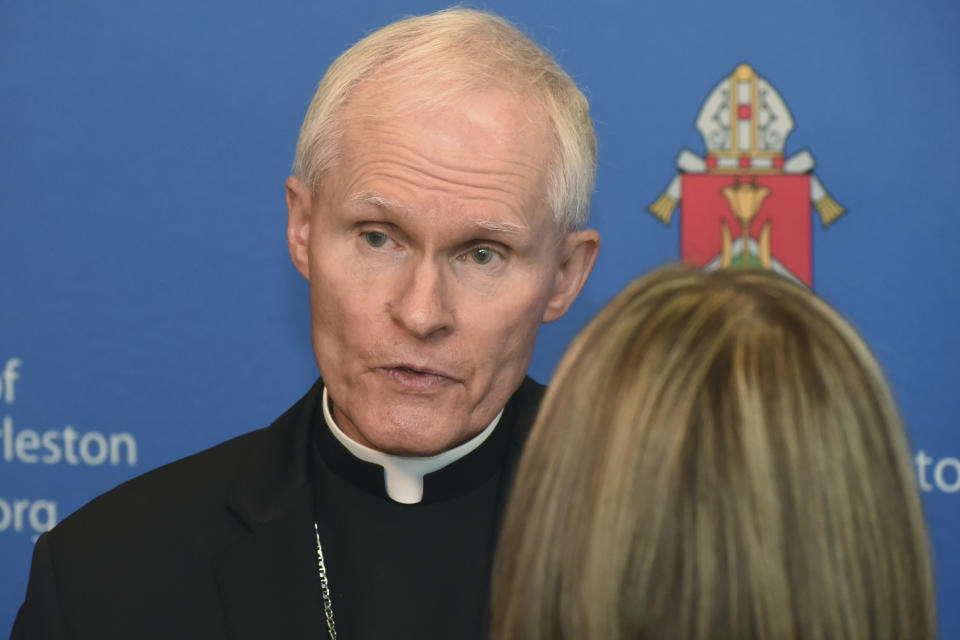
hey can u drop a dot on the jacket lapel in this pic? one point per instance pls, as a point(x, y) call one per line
point(268, 577)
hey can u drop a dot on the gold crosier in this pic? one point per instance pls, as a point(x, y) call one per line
point(745, 198)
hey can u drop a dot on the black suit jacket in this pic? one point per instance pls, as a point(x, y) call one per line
point(217, 545)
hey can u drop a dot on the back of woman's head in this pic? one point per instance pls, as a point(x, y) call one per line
point(718, 456)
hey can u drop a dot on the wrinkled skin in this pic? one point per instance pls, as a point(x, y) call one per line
point(432, 260)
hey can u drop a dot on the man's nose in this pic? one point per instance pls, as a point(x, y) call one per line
point(421, 302)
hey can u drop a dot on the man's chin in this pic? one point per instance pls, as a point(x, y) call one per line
point(413, 424)
point(417, 435)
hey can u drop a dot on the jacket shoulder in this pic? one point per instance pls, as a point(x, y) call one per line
point(120, 565)
point(185, 496)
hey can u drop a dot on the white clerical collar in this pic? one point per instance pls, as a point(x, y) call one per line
point(403, 475)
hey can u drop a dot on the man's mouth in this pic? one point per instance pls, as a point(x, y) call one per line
point(416, 377)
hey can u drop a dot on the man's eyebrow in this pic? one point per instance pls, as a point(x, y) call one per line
point(378, 200)
point(495, 226)
point(375, 199)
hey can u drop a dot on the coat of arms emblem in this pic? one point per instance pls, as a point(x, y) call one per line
point(745, 203)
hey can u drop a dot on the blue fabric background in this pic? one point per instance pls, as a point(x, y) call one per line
point(145, 284)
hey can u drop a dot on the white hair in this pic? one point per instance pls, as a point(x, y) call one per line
point(457, 50)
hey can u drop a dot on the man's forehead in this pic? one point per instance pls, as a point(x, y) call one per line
point(480, 156)
point(398, 95)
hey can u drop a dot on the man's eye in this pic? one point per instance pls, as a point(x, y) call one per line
point(374, 238)
point(482, 255)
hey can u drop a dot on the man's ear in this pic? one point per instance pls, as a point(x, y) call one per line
point(578, 252)
point(299, 208)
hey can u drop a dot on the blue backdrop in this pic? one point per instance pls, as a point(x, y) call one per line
point(148, 307)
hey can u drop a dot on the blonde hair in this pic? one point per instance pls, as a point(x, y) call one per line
point(718, 456)
point(454, 51)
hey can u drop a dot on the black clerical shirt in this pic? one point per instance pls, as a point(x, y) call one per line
point(422, 570)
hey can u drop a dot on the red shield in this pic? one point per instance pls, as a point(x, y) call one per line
point(786, 207)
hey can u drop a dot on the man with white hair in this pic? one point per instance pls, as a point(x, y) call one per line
point(442, 182)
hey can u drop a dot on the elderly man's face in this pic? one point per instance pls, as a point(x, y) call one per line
point(432, 259)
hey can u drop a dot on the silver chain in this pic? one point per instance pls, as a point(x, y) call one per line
point(325, 588)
